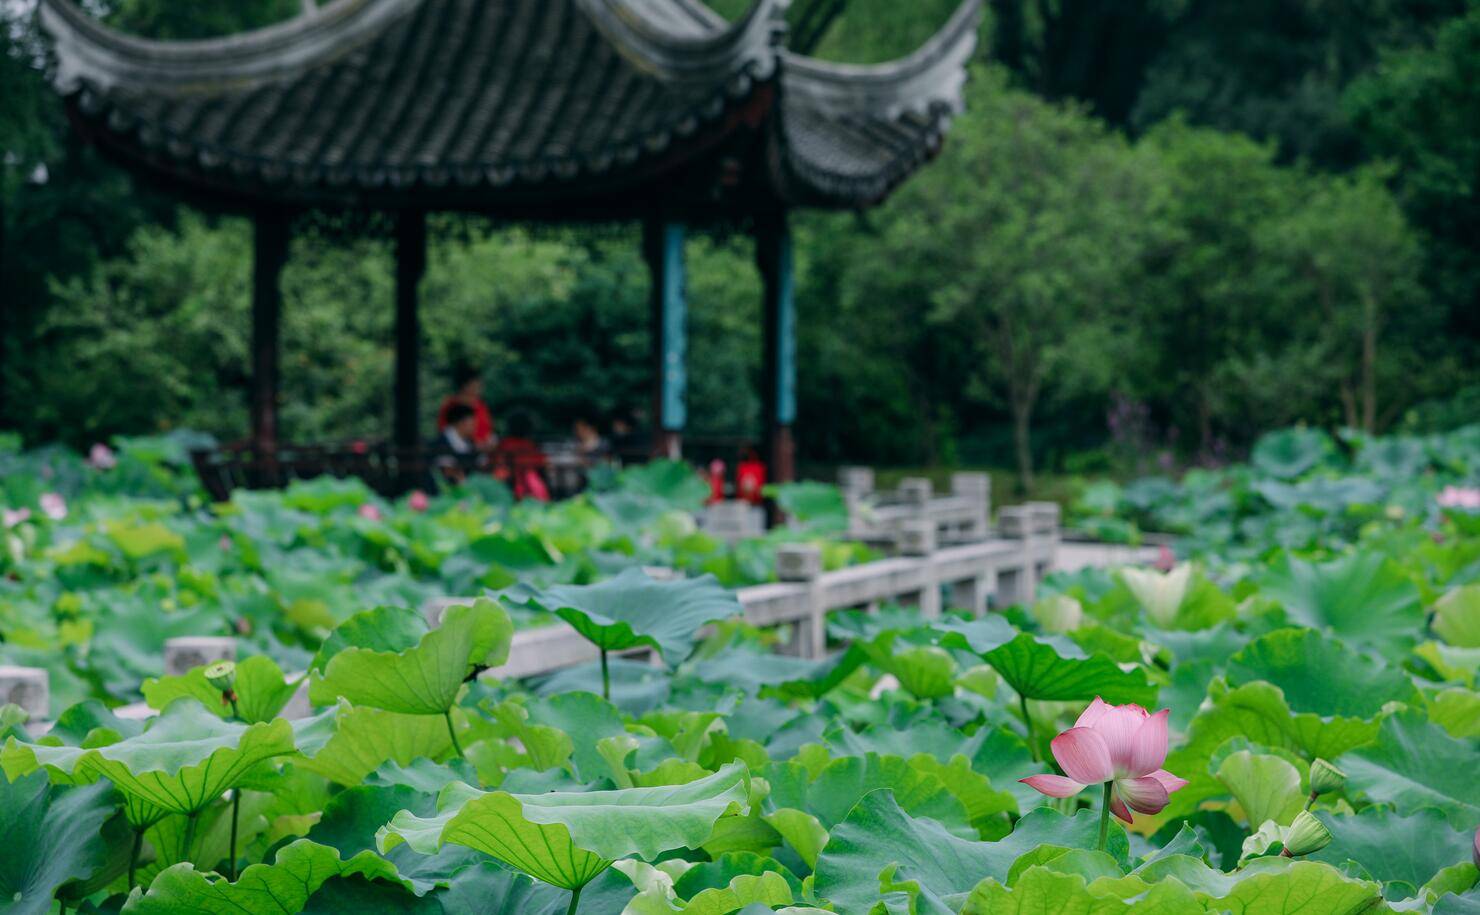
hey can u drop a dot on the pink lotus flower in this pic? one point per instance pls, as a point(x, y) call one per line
point(1475, 852)
point(418, 501)
point(101, 457)
point(53, 505)
point(14, 516)
point(1120, 744)
point(369, 512)
point(1467, 497)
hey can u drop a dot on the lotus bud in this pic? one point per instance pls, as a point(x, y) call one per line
point(1307, 835)
point(222, 675)
point(1325, 778)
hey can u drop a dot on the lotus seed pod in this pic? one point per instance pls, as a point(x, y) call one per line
point(221, 675)
point(1307, 835)
point(1325, 778)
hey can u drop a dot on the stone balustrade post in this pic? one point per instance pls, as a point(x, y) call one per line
point(916, 491)
point(802, 563)
point(916, 539)
point(977, 488)
point(27, 687)
point(187, 652)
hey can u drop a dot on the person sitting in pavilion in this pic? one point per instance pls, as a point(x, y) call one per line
point(468, 392)
point(518, 460)
point(590, 445)
point(455, 451)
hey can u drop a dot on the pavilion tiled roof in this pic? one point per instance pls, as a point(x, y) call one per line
point(480, 101)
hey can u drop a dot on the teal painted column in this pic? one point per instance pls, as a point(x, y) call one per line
point(779, 388)
point(663, 247)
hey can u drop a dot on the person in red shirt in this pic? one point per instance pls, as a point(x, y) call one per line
point(468, 390)
point(519, 462)
point(750, 477)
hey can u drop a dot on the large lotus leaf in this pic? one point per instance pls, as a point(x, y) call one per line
point(351, 819)
point(378, 668)
point(567, 838)
point(1265, 786)
point(1047, 669)
point(843, 782)
point(1319, 674)
point(262, 691)
point(365, 738)
point(632, 609)
point(1040, 889)
point(673, 482)
point(1457, 617)
point(767, 673)
point(1363, 597)
point(1267, 886)
point(659, 897)
point(586, 718)
point(1289, 453)
point(1415, 764)
point(51, 835)
point(183, 762)
point(1457, 710)
point(879, 837)
point(283, 886)
point(1410, 849)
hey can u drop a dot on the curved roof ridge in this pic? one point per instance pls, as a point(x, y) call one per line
point(915, 85)
point(666, 39)
point(90, 52)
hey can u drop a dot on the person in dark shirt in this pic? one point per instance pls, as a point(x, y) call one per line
point(454, 450)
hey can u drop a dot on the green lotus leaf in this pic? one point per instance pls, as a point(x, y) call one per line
point(878, 837)
point(1282, 886)
point(185, 760)
point(366, 738)
point(834, 791)
point(262, 691)
point(1318, 674)
point(1363, 597)
point(1456, 710)
point(1409, 849)
point(1259, 712)
point(1266, 787)
point(51, 836)
point(1457, 617)
point(1415, 763)
point(1040, 889)
point(283, 886)
point(631, 609)
point(379, 666)
point(568, 838)
point(1289, 453)
point(1055, 670)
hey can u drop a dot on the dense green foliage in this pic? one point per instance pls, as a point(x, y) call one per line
point(1127, 252)
point(1334, 673)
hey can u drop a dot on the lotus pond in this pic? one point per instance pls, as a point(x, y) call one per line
point(1289, 723)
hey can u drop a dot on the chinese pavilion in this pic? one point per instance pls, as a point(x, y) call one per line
point(654, 111)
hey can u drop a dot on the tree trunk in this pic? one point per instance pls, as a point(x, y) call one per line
point(1369, 363)
point(1022, 414)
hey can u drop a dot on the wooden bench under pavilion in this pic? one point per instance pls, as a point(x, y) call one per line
point(566, 111)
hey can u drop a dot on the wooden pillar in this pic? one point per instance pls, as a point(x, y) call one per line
point(411, 260)
point(778, 389)
point(269, 254)
point(662, 242)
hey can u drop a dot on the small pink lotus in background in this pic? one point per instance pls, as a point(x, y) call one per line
point(418, 501)
point(1166, 560)
point(1467, 497)
point(53, 505)
point(225, 543)
point(369, 512)
point(101, 457)
point(14, 516)
point(1121, 747)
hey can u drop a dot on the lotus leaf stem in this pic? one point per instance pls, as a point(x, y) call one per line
point(452, 732)
point(1028, 723)
point(606, 681)
point(236, 806)
point(1105, 816)
point(575, 901)
point(133, 857)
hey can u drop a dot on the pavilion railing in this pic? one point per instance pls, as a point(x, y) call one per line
point(387, 469)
